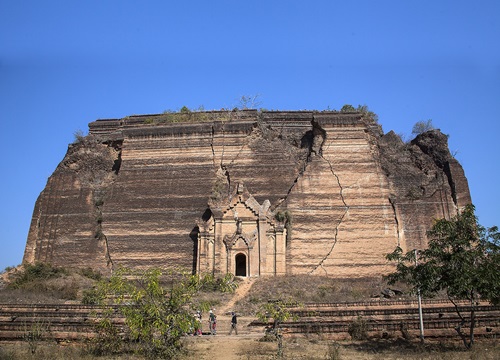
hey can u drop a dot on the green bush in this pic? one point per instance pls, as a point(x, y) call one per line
point(209, 282)
point(91, 273)
point(35, 272)
point(91, 297)
point(160, 316)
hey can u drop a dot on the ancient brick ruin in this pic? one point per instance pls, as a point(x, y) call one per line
point(249, 192)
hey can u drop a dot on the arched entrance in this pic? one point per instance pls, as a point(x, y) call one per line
point(241, 265)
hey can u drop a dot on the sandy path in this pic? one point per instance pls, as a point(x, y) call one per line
point(230, 347)
point(224, 347)
point(240, 293)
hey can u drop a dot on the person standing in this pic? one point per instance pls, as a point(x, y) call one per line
point(197, 323)
point(234, 323)
point(212, 322)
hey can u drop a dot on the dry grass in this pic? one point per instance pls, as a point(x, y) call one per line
point(311, 348)
point(402, 349)
point(307, 288)
point(70, 284)
point(53, 351)
point(66, 287)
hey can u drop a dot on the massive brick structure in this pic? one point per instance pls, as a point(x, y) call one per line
point(247, 192)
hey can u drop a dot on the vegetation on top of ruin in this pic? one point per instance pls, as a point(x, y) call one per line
point(422, 126)
point(361, 109)
point(187, 115)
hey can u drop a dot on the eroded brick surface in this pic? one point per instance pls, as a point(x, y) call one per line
point(133, 192)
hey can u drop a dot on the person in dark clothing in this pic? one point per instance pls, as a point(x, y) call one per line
point(234, 323)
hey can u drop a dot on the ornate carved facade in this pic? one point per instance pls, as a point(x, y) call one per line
point(242, 238)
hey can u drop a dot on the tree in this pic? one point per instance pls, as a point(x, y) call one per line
point(348, 108)
point(157, 314)
point(462, 259)
point(279, 312)
point(422, 126)
point(184, 110)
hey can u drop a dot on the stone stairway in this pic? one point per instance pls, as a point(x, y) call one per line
point(224, 314)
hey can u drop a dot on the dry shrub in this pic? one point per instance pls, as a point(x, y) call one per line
point(333, 352)
point(7, 354)
point(358, 329)
point(259, 350)
point(53, 351)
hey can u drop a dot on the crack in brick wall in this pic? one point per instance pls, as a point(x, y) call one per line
point(393, 205)
point(336, 231)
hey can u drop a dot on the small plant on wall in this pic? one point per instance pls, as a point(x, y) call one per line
point(286, 218)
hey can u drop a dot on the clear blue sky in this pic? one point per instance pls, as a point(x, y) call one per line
point(66, 63)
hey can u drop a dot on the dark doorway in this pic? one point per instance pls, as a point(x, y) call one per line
point(241, 265)
point(194, 237)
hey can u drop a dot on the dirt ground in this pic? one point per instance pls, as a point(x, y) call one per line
point(249, 346)
point(225, 347)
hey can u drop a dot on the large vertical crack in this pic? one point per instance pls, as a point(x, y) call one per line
point(319, 152)
point(393, 204)
point(212, 145)
point(451, 182)
point(309, 140)
point(225, 172)
point(224, 169)
point(244, 144)
point(100, 235)
point(295, 181)
point(222, 186)
point(336, 230)
point(95, 163)
point(99, 194)
point(223, 146)
point(315, 140)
